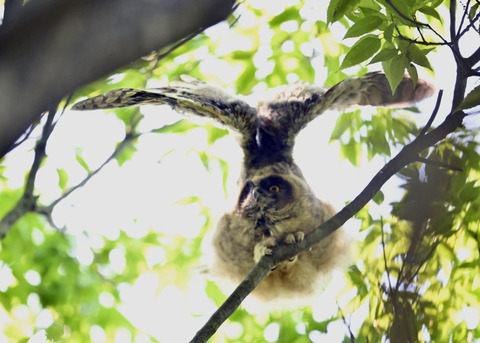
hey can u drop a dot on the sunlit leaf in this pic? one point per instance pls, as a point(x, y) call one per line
point(379, 197)
point(418, 56)
point(62, 177)
point(288, 14)
point(125, 154)
point(181, 126)
point(394, 71)
point(363, 26)
point(337, 8)
point(344, 122)
point(352, 151)
point(384, 54)
point(361, 50)
point(81, 161)
point(431, 12)
point(412, 71)
point(471, 100)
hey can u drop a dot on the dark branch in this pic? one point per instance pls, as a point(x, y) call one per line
point(453, 20)
point(52, 47)
point(439, 164)
point(474, 58)
point(10, 9)
point(434, 113)
point(28, 200)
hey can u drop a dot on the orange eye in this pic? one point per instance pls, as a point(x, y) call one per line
point(274, 188)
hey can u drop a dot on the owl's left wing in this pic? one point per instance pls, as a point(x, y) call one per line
point(190, 95)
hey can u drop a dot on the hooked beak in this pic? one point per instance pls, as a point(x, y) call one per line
point(257, 193)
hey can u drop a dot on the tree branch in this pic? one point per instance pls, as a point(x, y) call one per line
point(283, 252)
point(10, 8)
point(52, 47)
point(28, 201)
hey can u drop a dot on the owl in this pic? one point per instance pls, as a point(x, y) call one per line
point(275, 204)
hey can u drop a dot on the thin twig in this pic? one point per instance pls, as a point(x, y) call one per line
point(439, 164)
point(385, 255)
point(415, 22)
point(452, 10)
point(434, 113)
point(465, 11)
point(352, 336)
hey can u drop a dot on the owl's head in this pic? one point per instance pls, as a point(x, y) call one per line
point(272, 193)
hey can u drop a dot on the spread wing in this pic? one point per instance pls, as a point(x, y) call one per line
point(294, 106)
point(190, 95)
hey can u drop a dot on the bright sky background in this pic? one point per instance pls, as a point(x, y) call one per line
point(142, 194)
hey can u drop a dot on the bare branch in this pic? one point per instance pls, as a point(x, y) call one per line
point(28, 201)
point(453, 19)
point(434, 113)
point(439, 164)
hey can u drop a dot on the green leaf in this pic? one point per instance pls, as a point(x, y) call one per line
point(384, 54)
point(412, 71)
point(431, 12)
point(62, 178)
point(82, 162)
point(242, 55)
point(471, 100)
point(473, 11)
point(394, 70)
point(55, 331)
point(337, 9)
point(289, 14)
point(379, 197)
point(125, 154)
point(214, 133)
point(344, 122)
point(388, 33)
point(352, 151)
point(363, 26)
point(418, 56)
point(189, 200)
point(181, 126)
point(247, 79)
point(360, 51)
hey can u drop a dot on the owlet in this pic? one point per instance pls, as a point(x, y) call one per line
point(275, 203)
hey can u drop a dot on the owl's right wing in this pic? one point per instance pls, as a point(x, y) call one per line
point(373, 89)
point(191, 95)
point(294, 106)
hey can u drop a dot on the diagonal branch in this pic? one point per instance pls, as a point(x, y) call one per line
point(283, 252)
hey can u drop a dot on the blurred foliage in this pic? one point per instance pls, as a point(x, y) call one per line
point(417, 273)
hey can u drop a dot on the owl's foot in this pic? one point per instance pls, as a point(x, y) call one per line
point(292, 238)
point(264, 248)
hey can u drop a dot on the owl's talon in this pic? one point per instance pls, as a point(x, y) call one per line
point(264, 248)
point(299, 236)
point(292, 238)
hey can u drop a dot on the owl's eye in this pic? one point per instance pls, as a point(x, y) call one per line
point(274, 188)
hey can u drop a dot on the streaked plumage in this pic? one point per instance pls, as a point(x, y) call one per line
point(275, 205)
